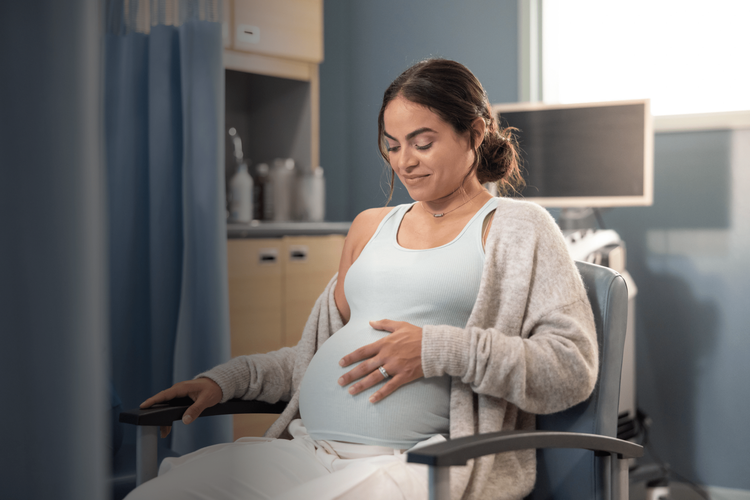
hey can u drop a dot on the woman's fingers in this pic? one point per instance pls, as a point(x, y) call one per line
point(203, 391)
point(359, 371)
point(176, 391)
point(164, 430)
point(203, 399)
point(387, 325)
point(372, 376)
point(363, 352)
point(374, 379)
point(388, 389)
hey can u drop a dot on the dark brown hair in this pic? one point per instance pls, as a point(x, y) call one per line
point(451, 91)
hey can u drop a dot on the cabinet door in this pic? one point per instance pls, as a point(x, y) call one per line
point(255, 310)
point(309, 264)
point(290, 29)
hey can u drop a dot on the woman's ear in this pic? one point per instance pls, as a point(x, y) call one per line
point(479, 127)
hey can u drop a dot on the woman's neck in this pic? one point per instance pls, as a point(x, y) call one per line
point(462, 199)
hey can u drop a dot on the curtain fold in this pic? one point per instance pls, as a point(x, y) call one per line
point(164, 110)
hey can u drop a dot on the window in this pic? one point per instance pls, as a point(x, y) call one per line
point(687, 57)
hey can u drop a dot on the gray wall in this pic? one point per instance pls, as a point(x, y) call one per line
point(367, 45)
point(688, 252)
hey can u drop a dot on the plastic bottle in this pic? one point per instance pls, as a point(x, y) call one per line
point(312, 196)
point(262, 197)
point(283, 187)
point(241, 193)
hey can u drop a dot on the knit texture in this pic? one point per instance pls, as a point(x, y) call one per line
point(528, 348)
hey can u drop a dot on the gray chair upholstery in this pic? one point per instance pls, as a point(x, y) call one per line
point(567, 469)
point(577, 472)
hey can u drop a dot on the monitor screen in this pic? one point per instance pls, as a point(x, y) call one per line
point(584, 155)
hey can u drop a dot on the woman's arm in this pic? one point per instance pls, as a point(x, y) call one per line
point(551, 370)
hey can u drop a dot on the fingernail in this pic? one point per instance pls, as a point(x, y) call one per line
point(341, 363)
point(341, 381)
point(351, 390)
point(186, 419)
point(372, 399)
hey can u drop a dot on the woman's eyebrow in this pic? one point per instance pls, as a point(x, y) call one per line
point(410, 134)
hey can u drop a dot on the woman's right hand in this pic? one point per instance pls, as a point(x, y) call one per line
point(203, 391)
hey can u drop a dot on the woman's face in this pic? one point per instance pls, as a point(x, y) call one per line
point(425, 152)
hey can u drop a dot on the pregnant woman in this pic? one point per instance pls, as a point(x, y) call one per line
point(456, 314)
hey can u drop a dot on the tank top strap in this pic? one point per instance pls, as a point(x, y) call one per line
point(389, 224)
point(479, 217)
point(483, 212)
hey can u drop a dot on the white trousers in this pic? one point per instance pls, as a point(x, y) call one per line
point(297, 469)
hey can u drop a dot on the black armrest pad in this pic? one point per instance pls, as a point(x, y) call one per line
point(166, 413)
point(458, 451)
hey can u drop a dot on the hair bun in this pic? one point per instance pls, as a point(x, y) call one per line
point(499, 160)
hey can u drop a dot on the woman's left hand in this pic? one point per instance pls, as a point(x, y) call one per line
point(399, 353)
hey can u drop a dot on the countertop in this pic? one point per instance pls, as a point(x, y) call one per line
point(263, 229)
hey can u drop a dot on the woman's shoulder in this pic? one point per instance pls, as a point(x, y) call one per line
point(368, 220)
point(363, 228)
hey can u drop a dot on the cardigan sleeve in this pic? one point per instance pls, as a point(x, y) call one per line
point(265, 377)
point(275, 376)
point(553, 369)
point(531, 339)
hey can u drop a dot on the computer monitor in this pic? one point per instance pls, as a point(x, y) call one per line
point(584, 155)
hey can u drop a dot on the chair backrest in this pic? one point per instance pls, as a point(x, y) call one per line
point(577, 474)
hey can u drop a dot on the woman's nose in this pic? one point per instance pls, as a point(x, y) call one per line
point(405, 159)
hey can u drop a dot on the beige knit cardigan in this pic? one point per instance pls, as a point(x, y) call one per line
point(529, 347)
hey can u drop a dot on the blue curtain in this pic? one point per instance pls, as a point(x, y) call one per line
point(53, 279)
point(164, 115)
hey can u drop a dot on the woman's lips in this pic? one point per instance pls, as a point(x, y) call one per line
point(415, 178)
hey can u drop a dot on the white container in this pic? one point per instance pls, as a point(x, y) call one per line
point(311, 196)
point(241, 196)
point(283, 182)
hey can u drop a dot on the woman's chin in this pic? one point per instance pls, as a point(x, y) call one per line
point(419, 193)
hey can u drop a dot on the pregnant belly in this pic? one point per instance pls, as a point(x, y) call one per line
point(413, 413)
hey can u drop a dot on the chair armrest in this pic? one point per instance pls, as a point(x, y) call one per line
point(166, 413)
point(458, 451)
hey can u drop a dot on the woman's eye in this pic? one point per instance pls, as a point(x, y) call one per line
point(422, 148)
point(392, 149)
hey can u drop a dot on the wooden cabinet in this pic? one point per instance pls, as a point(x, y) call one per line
point(255, 275)
point(310, 264)
point(281, 42)
point(281, 38)
point(292, 29)
point(273, 286)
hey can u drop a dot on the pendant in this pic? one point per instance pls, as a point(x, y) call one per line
point(438, 215)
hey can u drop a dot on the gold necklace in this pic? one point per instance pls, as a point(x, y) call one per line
point(441, 214)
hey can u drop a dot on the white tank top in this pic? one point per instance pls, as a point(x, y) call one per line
point(435, 286)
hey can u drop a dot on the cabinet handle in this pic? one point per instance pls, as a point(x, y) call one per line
point(268, 256)
point(298, 253)
point(247, 33)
